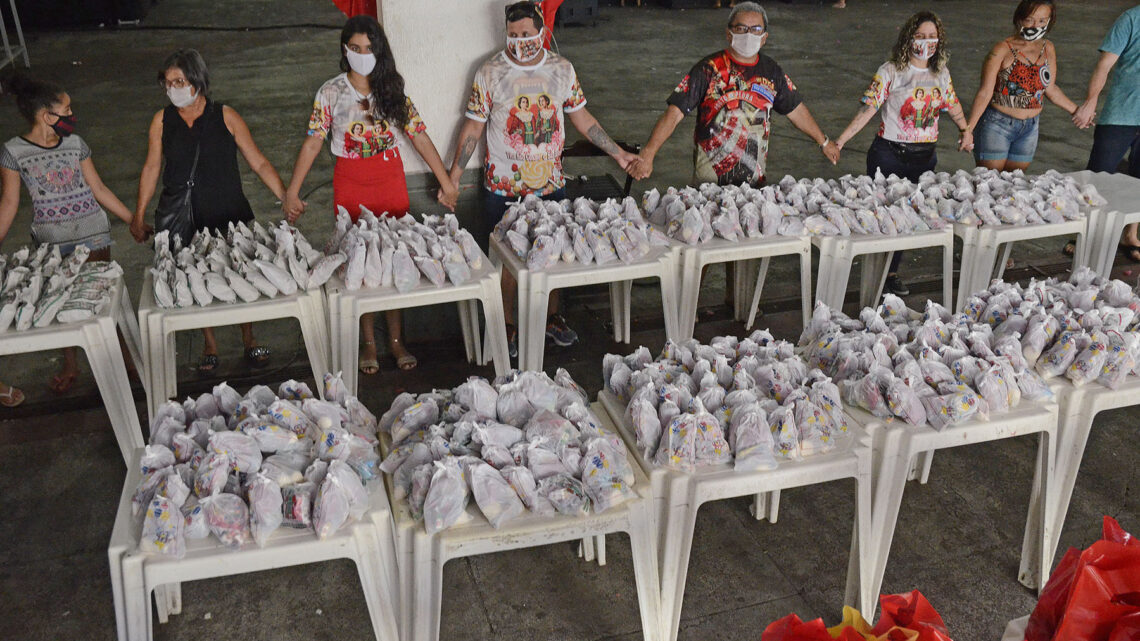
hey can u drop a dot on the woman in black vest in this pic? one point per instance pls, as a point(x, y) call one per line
point(193, 125)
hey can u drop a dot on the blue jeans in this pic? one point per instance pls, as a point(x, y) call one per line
point(1110, 144)
point(1002, 137)
point(494, 206)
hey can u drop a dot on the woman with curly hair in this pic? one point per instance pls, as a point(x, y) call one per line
point(913, 87)
point(370, 92)
point(1018, 74)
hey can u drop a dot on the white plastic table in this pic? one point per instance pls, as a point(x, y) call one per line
point(679, 495)
point(1078, 409)
point(136, 574)
point(898, 444)
point(346, 307)
point(97, 337)
point(837, 254)
point(422, 555)
point(1106, 223)
point(159, 325)
point(980, 249)
point(743, 253)
point(534, 289)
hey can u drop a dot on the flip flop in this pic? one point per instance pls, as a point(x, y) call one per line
point(14, 397)
point(369, 366)
point(257, 356)
point(1069, 249)
point(208, 363)
point(60, 383)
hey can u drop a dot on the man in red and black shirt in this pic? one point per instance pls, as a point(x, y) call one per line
point(734, 92)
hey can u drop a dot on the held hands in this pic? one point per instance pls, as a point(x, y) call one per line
point(292, 206)
point(448, 195)
point(1084, 115)
point(640, 166)
point(140, 230)
point(966, 141)
point(830, 150)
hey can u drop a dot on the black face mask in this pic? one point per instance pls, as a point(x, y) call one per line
point(64, 126)
point(1033, 33)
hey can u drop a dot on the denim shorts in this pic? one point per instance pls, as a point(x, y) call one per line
point(1002, 137)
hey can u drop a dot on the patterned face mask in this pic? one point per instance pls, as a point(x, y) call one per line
point(1029, 34)
point(924, 48)
point(527, 48)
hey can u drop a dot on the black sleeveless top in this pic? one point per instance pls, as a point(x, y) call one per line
point(218, 198)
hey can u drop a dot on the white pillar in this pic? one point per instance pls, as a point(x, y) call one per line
point(438, 45)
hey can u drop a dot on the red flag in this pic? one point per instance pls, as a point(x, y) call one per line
point(352, 8)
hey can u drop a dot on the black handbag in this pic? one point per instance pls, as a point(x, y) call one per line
point(175, 211)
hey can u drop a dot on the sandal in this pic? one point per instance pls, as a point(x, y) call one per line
point(369, 366)
point(208, 363)
point(406, 361)
point(12, 398)
point(60, 383)
point(1131, 251)
point(257, 356)
point(1069, 249)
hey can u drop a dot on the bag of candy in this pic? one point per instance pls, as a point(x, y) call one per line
point(447, 496)
point(265, 503)
point(228, 518)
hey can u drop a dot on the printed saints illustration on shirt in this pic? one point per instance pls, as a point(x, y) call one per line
point(363, 140)
point(533, 121)
point(910, 100)
point(919, 112)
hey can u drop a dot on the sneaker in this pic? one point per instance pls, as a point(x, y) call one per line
point(512, 341)
point(557, 331)
point(895, 286)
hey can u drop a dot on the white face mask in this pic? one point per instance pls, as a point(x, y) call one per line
point(924, 48)
point(525, 49)
point(181, 96)
point(361, 63)
point(746, 45)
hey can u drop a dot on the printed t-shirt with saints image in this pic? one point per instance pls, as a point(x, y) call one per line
point(911, 100)
point(340, 111)
point(733, 103)
point(523, 109)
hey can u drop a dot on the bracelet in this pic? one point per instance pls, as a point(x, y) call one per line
point(824, 143)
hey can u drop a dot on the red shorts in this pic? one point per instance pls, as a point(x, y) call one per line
point(377, 183)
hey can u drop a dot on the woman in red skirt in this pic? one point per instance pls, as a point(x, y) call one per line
point(368, 121)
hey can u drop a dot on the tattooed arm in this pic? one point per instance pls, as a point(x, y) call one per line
point(468, 140)
point(589, 127)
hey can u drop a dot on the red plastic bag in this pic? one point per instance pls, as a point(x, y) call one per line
point(1127, 629)
point(791, 628)
point(1091, 592)
point(909, 611)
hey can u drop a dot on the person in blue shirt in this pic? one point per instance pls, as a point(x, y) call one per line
point(1118, 125)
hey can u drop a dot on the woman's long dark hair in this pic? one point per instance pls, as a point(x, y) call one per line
point(388, 100)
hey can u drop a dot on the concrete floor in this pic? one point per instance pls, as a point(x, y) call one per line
point(958, 537)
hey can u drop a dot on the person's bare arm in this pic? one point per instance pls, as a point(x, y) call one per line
point(257, 160)
point(990, 68)
point(469, 135)
point(803, 120)
point(1053, 92)
point(148, 180)
point(588, 126)
point(642, 166)
point(104, 196)
point(860, 120)
point(426, 149)
point(292, 203)
point(1087, 111)
point(9, 199)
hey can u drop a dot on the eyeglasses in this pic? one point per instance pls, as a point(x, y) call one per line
point(741, 29)
point(177, 83)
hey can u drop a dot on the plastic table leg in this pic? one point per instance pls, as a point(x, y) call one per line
point(668, 299)
point(106, 359)
point(1040, 533)
point(535, 334)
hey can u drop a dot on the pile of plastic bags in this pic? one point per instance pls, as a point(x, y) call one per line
point(241, 467)
point(246, 263)
point(39, 287)
point(904, 616)
point(1092, 595)
point(742, 401)
point(940, 369)
point(389, 251)
point(523, 442)
point(862, 205)
point(546, 232)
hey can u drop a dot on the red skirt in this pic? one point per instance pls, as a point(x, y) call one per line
point(377, 183)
